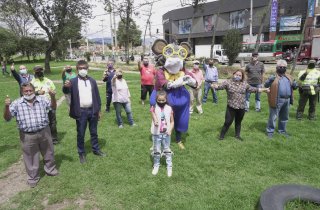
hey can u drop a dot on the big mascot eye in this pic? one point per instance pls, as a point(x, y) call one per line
point(168, 51)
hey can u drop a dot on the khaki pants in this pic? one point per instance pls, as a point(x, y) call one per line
point(196, 94)
point(32, 145)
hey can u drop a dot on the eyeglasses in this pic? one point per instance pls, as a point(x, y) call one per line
point(168, 51)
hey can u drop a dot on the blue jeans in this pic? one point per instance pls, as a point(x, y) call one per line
point(163, 139)
point(282, 110)
point(87, 116)
point(207, 87)
point(257, 97)
point(127, 108)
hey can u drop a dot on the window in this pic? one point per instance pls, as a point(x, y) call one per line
point(317, 22)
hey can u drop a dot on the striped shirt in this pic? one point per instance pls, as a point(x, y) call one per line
point(30, 118)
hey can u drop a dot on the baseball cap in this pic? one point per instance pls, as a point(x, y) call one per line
point(37, 68)
point(312, 61)
point(254, 54)
point(196, 62)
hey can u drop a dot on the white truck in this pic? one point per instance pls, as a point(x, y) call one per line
point(218, 52)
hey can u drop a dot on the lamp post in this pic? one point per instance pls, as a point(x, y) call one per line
point(251, 8)
point(71, 56)
point(102, 36)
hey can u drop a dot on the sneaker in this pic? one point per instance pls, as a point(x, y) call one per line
point(32, 185)
point(201, 112)
point(155, 170)
point(190, 112)
point(270, 135)
point(55, 141)
point(133, 125)
point(239, 138)
point(120, 126)
point(169, 171)
point(258, 110)
point(181, 146)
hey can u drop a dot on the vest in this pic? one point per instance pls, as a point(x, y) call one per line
point(273, 94)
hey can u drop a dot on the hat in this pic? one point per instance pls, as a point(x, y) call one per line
point(37, 68)
point(119, 72)
point(196, 62)
point(312, 61)
point(255, 54)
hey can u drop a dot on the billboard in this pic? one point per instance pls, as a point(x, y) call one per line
point(311, 4)
point(274, 16)
point(208, 22)
point(290, 23)
point(185, 26)
point(237, 19)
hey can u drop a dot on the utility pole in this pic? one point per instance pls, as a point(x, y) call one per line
point(112, 42)
point(70, 48)
point(251, 11)
point(102, 36)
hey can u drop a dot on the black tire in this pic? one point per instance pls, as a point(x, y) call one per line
point(275, 197)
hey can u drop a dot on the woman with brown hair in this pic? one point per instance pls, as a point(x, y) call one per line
point(236, 88)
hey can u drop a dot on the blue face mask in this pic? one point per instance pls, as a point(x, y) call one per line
point(236, 78)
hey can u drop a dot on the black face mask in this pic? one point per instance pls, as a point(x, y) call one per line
point(39, 74)
point(119, 76)
point(68, 70)
point(281, 69)
point(161, 104)
point(311, 66)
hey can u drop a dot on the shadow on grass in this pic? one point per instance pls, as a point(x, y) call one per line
point(59, 158)
point(6, 147)
point(61, 136)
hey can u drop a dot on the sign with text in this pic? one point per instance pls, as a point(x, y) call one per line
point(311, 8)
point(290, 23)
point(274, 16)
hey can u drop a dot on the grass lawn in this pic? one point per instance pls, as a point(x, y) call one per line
point(209, 174)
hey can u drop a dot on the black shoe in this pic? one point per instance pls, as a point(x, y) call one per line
point(55, 141)
point(82, 158)
point(239, 138)
point(221, 137)
point(99, 153)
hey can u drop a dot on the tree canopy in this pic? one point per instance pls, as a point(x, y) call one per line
point(232, 44)
point(8, 43)
point(133, 34)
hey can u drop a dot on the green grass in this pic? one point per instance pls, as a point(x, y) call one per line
point(209, 174)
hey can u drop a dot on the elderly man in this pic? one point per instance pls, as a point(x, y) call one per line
point(147, 72)
point(211, 77)
point(255, 70)
point(280, 97)
point(309, 81)
point(23, 76)
point(32, 120)
point(85, 107)
point(42, 86)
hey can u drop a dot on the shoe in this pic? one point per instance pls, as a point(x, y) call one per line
point(120, 126)
point(201, 112)
point(32, 185)
point(190, 112)
point(107, 110)
point(56, 173)
point(299, 118)
point(55, 141)
point(169, 171)
point(181, 146)
point(155, 170)
point(221, 138)
point(99, 153)
point(258, 110)
point(82, 158)
point(285, 134)
point(270, 135)
point(239, 138)
point(246, 110)
point(133, 125)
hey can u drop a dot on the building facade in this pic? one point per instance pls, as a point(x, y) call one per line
point(284, 21)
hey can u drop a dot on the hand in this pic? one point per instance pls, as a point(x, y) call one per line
point(7, 101)
point(67, 83)
point(169, 132)
point(52, 93)
point(41, 92)
point(12, 67)
point(156, 123)
point(214, 86)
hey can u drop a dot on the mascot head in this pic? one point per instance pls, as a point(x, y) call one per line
point(171, 56)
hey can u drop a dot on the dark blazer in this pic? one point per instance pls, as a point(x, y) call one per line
point(75, 100)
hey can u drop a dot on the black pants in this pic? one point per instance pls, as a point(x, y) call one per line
point(53, 125)
point(144, 90)
point(304, 97)
point(109, 98)
point(232, 114)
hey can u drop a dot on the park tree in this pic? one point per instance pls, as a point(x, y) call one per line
point(15, 14)
point(8, 44)
point(232, 44)
point(133, 35)
point(55, 18)
point(31, 46)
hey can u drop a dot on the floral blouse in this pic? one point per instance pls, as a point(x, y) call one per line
point(236, 92)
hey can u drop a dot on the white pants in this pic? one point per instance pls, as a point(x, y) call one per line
point(196, 94)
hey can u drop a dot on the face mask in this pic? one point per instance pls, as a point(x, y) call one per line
point(196, 66)
point(311, 66)
point(110, 66)
point(23, 71)
point(28, 98)
point(236, 78)
point(173, 65)
point(68, 70)
point(83, 72)
point(281, 69)
point(145, 63)
point(254, 58)
point(210, 64)
point(119, 76)
point(162, 104)
point(39, 74)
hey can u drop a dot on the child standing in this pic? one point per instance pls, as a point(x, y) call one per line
point(161, 128)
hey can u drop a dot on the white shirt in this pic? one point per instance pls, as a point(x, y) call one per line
point(120, 91)
point(85, 93)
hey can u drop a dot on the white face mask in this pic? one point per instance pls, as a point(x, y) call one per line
point(196, 66)
point(173, 65)
point(23, 71)
point(83, 72)
point(30, 97)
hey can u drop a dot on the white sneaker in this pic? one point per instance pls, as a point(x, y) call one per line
point(120, 126)
point(155, 170)
point(169, 171)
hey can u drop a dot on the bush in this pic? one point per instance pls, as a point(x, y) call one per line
point(232, 45)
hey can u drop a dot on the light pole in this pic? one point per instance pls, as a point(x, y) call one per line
point(251, 8)
point(102, 37)
point(70, 48)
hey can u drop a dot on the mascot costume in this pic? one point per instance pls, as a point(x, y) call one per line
point(172, 77)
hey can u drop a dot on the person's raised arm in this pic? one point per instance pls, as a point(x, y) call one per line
point(6, 114)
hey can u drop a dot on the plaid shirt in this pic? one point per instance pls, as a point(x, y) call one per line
point(236, 92)
point(31, 118)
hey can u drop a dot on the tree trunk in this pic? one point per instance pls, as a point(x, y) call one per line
point(262, 25)
point(47, 60)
